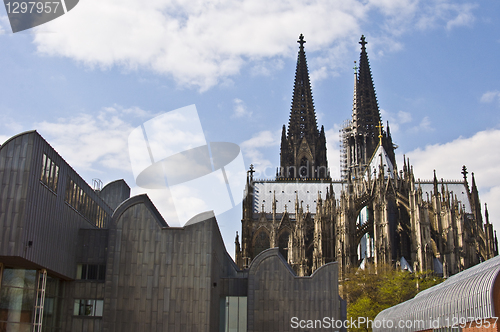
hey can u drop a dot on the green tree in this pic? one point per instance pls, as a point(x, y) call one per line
point(369, 291)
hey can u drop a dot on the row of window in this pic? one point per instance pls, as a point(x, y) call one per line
point(90, 272)
point(50, 173)
point(75, 195)
point(88, 308)
point(84, 204)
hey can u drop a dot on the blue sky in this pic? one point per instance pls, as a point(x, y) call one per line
point(87, 79)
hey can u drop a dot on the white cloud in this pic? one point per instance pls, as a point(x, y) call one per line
point(403, 121)
point(490, 96)
point(404, 117)
point(464, 17)
point(240, 110)
point(203, 43)
point(266, 68)
point(453, 14)
point(479, 153)
point(396, 120)
point(424, 125)
point(91, 143)
point(198, 43)
point(318, 75)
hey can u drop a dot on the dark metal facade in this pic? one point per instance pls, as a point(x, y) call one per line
point(39, 228)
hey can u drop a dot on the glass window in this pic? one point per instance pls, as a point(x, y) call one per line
point(234, 315)
point(17, 297)
point(88, 308)
point(84, 204)
point(90, 272)
point(50, 173)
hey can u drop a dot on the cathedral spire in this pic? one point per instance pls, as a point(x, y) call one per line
point(367, 113)
point(362, 135)
point(302, 115)
point(303, 147)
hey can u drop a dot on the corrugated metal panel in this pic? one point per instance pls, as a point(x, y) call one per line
point(466, 294)
point(14, 174)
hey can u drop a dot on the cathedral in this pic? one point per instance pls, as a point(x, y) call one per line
point(375, 214)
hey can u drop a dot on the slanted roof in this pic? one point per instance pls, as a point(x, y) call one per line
point(466, 294)
point(286, 194)
point(456, 187)
point(380, 156)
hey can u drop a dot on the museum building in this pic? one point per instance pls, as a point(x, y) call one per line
point(77, 258)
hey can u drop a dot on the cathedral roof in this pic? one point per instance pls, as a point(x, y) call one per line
point(308, 194)
point(286, 194)
point(380, 157)
point(302, 121)
point(454, 187)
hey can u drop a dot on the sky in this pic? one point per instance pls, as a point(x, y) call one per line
point(86, 80)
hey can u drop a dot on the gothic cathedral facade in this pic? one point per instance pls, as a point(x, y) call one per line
point(374, 214)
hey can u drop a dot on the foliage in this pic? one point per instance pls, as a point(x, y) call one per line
point(369, 291)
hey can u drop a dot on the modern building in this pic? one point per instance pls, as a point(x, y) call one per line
point(375, 213)
point(467, 301)
point(81, 259)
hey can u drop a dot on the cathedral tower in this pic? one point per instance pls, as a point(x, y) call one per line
point(361, 135)
point(303, 147)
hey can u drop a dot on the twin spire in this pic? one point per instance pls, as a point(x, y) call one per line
point(303, 146)
point(366, 114)
point(366, 124)
point(302, 121)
